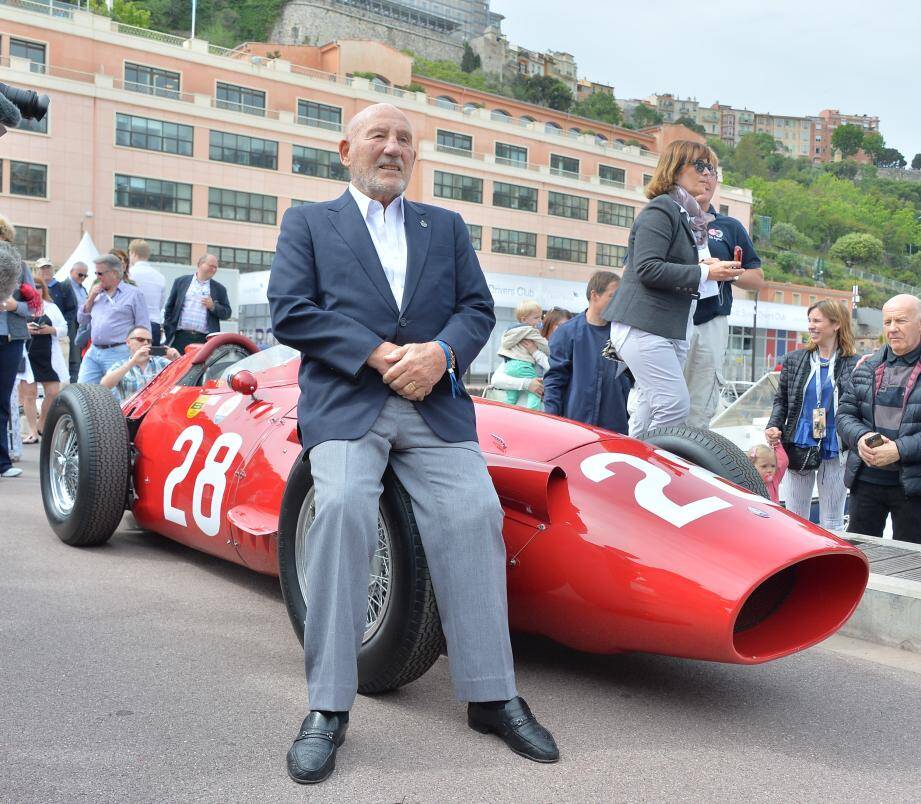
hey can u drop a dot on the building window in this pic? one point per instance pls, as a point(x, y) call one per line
point(153, 135)
point(322, 164)
point(615, 214)
point(609, 255)
point(151, 80)
point(453, 143)
point(28, 178)
point(797, 299)
point(778, 297)
point(33, 51)
point(514, 196)
point(564, 166)
point(476, 235)
point(521, 244)
point(724, 209)
point(136, 192)
point(812, 300)
point(612, 176)
point(568, 206)
point(160, 250)
point(514, 155)
point(647, 177)
point(567, 249)
point(240, 99)
point(319, 115)
point(235, 205)
point(37, 126)
point(460, 188)
point(31, 242)
point(242, 150)
point(300, 202)
point(243, 259)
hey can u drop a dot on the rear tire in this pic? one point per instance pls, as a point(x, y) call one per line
point(85, 464)
point(710, 451)
point(404, 638)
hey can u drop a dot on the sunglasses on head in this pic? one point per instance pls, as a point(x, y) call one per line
point(701, 165)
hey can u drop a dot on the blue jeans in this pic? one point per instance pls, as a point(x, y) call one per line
point(10, 355)
point(97, 362)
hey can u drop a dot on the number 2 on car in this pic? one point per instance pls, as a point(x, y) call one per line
point(213, 474)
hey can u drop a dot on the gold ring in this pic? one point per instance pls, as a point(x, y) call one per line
point(410, 386)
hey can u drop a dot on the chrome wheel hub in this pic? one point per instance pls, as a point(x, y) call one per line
point(64, 467)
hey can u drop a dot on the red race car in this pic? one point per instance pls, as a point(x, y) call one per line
point(667, 545)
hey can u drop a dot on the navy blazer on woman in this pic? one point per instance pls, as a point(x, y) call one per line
point(172, 313)
point(330, 299)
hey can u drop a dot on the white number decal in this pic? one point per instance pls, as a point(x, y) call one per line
point(194, 435)
point(213, 474)
point(649, 492)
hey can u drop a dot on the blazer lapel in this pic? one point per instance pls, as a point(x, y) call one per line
point(418, 237)
point(687, 227)
point(347, 221)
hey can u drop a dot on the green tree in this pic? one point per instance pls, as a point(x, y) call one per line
point(787, 236)
point(750, 157)
point(600, 106)
point(847, 139)
point(543, 90)
point(124, 11)
point(858, 248)
point(692, 124)
point(645, 116)
point(873, 144)
point(890, 158)
point(916, 162)
point(470, 61)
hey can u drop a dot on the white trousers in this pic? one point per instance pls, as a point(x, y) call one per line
point(703, 370)
point(796, 491)
point(661, 392)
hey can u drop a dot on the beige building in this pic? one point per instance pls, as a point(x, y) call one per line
point(793, 135)
point(195, 148)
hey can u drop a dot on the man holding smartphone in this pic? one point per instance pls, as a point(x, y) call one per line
point(145, 363)
point(879, 418)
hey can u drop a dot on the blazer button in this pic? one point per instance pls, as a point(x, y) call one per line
point(403, 322)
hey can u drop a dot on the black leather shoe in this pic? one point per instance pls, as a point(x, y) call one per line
point(312, 758)
point(517, 727)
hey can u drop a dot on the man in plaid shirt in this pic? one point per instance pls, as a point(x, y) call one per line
point(131, 375)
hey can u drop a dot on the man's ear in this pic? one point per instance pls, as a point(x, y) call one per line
point(344, 152)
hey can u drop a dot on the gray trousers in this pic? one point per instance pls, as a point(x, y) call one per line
point(703, 369)
point(460, 523)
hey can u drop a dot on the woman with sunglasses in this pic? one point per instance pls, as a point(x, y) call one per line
point(668, 268)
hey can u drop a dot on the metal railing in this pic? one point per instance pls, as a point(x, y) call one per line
point(147, 33)
point(892, 284)
point(53, 8)
point(316, 122)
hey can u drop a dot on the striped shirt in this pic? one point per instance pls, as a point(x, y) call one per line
point(194, 314)
point(137, 377)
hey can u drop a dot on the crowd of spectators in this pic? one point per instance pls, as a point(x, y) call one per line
point(103, 327)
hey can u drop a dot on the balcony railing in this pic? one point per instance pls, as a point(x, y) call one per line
point(52, 8)
point(316, 122)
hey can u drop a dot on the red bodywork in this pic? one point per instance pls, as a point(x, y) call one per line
point(612, 545)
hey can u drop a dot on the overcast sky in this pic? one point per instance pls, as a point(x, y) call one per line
point(791, 57)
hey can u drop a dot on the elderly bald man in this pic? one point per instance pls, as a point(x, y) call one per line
point(880, 420)
point(387, 303)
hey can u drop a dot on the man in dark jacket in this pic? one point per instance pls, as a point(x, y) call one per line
point(61, 294)
point(884, 398)
point(581, 384)
point(196, 306)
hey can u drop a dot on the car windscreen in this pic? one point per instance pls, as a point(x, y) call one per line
point(262, 361)
point(753, 405)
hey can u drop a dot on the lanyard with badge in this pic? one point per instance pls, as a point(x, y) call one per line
point(819, 421)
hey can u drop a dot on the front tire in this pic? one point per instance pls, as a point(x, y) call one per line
point(710, 451)
point(84, 465)
point(403, 636)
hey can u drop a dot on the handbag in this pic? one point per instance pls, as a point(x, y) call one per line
point(803, 459)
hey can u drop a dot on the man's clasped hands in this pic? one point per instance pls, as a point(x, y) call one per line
point(410, 370)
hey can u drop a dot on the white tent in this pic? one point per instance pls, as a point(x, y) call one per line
point(85, 252)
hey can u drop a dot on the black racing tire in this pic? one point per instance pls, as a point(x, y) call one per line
point(85, 464)
point(711, 451)
point(408, 638)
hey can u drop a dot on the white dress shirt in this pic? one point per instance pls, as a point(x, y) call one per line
point(388, 233)
point(153, 285)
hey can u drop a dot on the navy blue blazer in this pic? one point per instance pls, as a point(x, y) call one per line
point(330, 299)
point(172, 313)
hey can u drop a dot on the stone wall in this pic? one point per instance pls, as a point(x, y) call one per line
point(318, 22)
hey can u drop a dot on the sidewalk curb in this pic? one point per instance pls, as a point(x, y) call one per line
point(890, 611)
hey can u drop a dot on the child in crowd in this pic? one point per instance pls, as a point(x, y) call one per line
point(771, 463)
point(526, 353)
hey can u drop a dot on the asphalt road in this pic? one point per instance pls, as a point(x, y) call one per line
point(142, 671)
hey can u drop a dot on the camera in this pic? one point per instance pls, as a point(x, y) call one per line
point(31, 105)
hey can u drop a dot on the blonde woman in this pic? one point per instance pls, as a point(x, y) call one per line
point(805, 406)
point(668, 267)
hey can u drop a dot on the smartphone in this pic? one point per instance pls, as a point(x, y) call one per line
point(158, 351)
point(874, 441)
point(737, 254)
